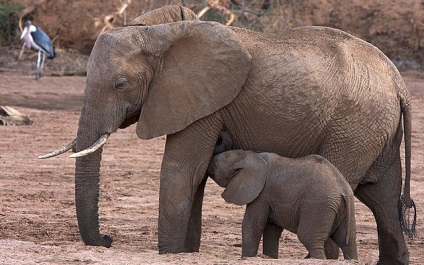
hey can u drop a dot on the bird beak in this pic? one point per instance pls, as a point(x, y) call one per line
point(24, 32)
point(25, 35)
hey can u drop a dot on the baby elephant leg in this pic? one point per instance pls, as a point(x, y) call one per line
point(331, 249)
point(271, 240)
point(314, 242)
point(315, 250)
point(345, 233)
point(345, 237)
point(254, 223)
point(313, 234)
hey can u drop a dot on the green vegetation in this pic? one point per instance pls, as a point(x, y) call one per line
point(9, 20)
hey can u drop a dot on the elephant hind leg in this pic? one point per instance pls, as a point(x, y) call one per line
point(314, 229)
point(344, 230)
point(331, 249)
point(315, 251)
point(382, 197)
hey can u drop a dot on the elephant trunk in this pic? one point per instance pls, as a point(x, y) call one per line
point(86, 199)
point(87, 177)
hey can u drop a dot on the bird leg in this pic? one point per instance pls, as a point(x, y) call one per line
point(37, 74)
point(42, 64)
point(40, 67)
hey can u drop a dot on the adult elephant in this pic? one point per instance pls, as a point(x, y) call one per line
point(308, 90)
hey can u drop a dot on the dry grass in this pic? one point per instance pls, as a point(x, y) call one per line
point(68, 62)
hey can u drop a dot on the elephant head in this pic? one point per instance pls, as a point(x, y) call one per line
point(166, 14)
point(164, 77)
point(241, 173)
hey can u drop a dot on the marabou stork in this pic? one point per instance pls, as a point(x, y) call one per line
point(38, 39)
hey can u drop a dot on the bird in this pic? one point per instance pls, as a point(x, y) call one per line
point(36, 38)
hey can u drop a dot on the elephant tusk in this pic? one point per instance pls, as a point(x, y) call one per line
point(60, 151)
point(99, 143)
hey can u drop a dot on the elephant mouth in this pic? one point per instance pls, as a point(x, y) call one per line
point(130, 119)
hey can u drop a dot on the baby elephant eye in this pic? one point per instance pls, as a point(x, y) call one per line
point(121, 83)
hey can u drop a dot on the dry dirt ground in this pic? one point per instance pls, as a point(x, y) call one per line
point(37, 209)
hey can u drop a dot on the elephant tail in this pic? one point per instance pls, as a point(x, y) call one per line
point(407, 125)
point(350, 209)
point(406, 202)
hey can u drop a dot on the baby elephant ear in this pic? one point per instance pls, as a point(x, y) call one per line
point(248, 180)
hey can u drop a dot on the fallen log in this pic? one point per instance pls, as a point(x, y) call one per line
point(10, 116)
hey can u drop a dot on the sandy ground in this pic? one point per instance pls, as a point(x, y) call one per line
point(37, 209)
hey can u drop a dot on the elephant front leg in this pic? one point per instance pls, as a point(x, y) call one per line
point(176, 223)
point(254, 222)
point(194, 231)
point(187, 155)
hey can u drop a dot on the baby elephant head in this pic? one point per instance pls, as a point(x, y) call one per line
point(241, 173)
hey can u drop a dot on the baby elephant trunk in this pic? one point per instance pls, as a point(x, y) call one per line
point(211, 168)
point(224, 143)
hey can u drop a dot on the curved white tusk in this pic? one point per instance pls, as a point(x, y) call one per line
point(101, 141)
point(60, 151)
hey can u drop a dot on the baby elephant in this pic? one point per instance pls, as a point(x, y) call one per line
point(307, 196)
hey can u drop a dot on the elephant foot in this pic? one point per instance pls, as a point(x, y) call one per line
point(102, 240)
point(176, 250)
point(393, 260)
point(390, 262)
point(163, 250)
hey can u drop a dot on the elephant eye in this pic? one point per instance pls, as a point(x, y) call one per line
point(121, 83)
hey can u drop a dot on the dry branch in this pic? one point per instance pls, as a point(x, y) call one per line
point(220, 6)
point(110, 19)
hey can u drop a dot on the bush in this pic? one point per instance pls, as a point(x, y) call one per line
point(9, 20)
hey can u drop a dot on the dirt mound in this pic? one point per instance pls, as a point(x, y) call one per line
point(395, 26)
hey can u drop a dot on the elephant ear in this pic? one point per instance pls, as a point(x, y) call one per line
point(247, 181)
point(203, 68)
point(166, 14)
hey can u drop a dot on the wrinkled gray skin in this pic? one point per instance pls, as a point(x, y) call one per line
point(308, 90)
point(307, 196)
